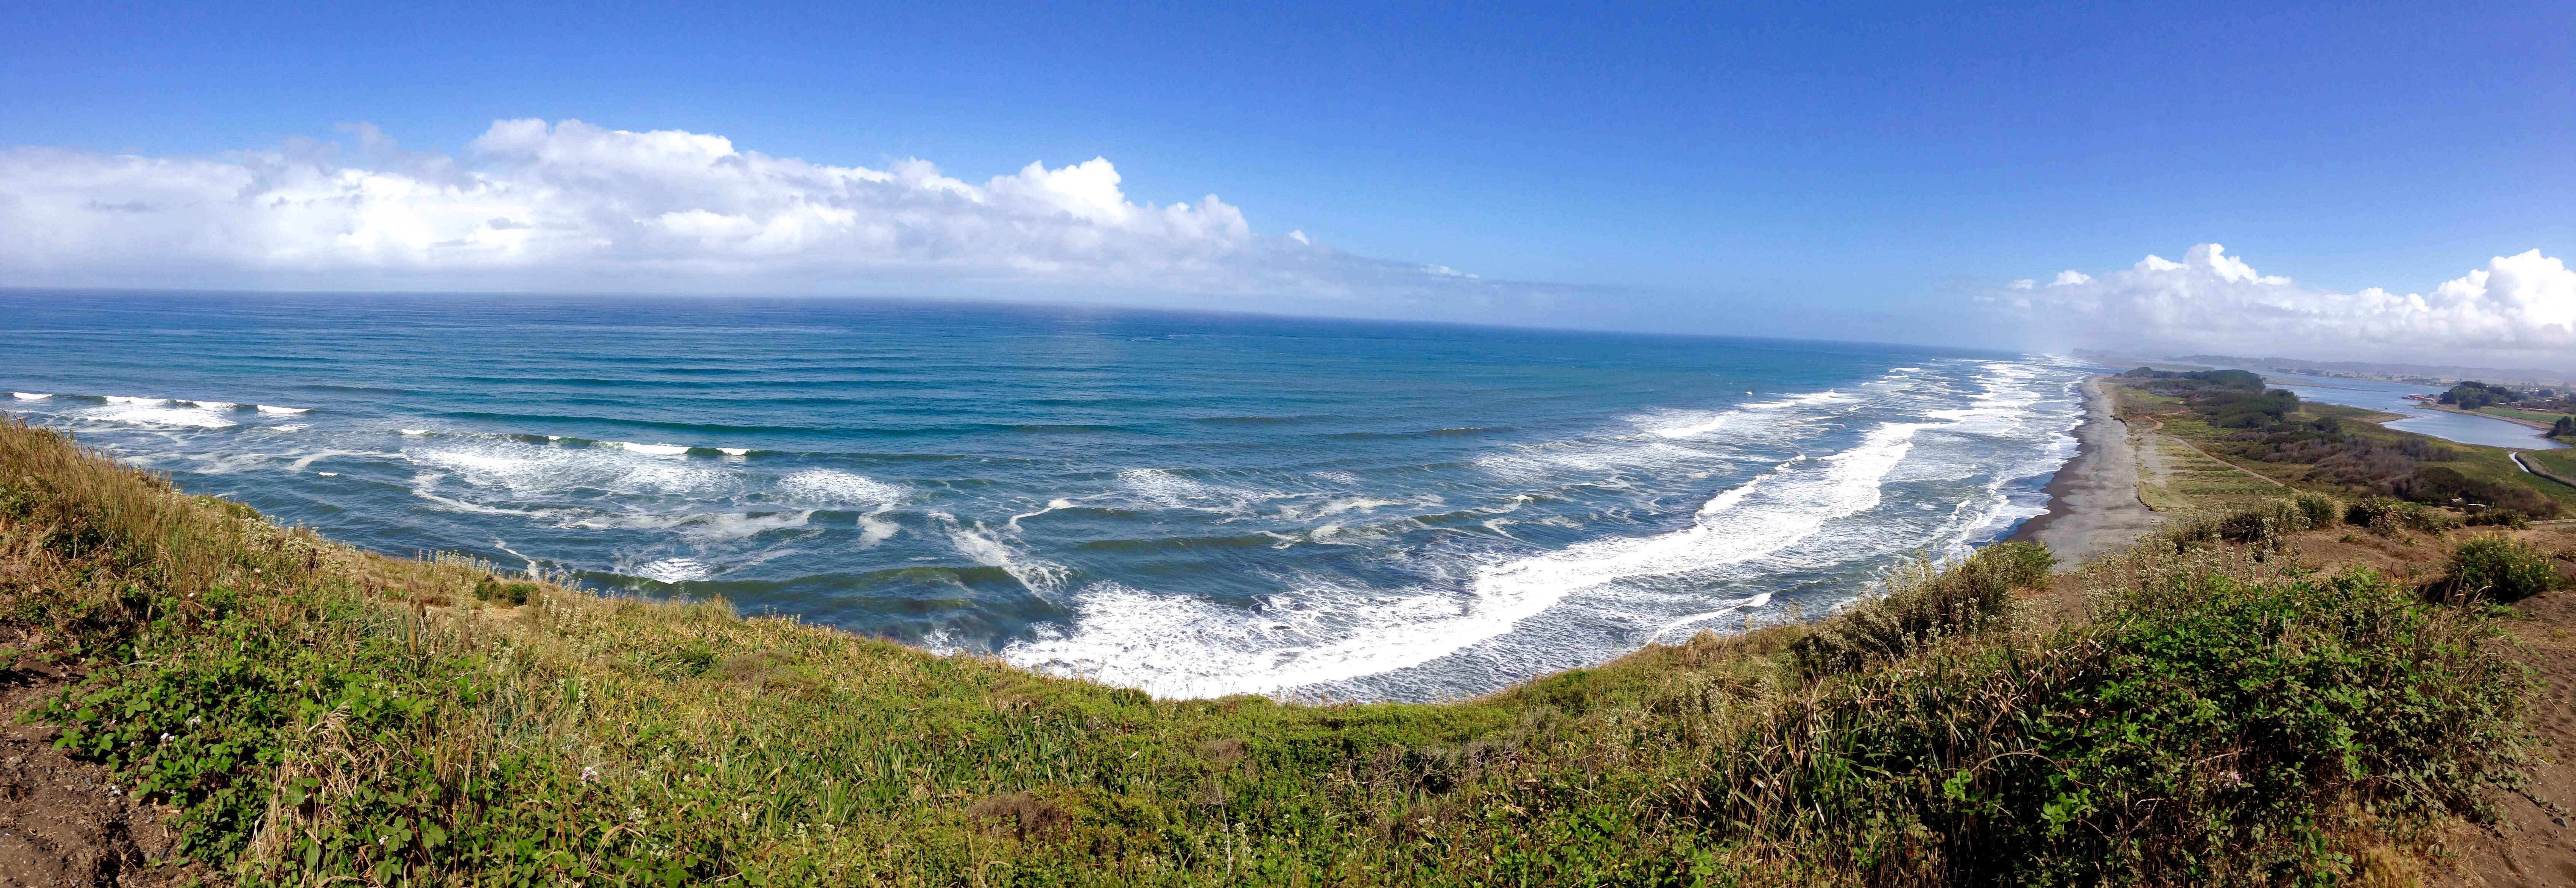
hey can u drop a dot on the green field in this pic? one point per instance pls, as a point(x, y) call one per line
point(2525, 415)
point(2557, 462)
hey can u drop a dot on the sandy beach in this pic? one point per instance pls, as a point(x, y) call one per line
point(2093, 502)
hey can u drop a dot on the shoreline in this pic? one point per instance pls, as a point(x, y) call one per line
point(2093, 504)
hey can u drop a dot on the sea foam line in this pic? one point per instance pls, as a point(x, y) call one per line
point(1757, 518)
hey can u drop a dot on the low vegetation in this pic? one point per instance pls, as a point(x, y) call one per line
point(2229, 414)
point(315, 714)
point(2498, 568)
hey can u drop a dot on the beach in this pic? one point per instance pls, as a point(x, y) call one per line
point(2093, 504)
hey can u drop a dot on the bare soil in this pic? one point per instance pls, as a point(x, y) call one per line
point(2534, 844)
point(62, 823)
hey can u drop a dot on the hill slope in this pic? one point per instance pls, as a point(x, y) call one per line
point(2203, 710)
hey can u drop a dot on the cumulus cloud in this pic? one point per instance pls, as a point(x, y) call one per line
point(2521, 306)
point(539, 205)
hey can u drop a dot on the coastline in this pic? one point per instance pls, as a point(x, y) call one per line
point(2093, 504)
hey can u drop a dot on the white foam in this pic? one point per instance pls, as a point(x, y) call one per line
point(651, 449)
point(1167, 489)
point(832, 487)
point(526, 468)
point(413, 432)
point(1181, 647)
point(1359, 504)
point(282, 411)
point(328, 474)
point(1052, 505)
point(735, 451)
point(289, 427)
point(1741, 604)
point(675, 570)
point(155, 412)
point(1711, 424)
point(216, 405)
point(30, 396)
point(986, 546)
point(732, 526)
point(874, 530)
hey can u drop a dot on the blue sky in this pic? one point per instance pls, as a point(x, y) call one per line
point(1798, 168)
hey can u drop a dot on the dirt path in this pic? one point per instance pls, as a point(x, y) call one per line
point(61, 823)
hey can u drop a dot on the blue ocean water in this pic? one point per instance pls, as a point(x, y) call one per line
point(1190, 504)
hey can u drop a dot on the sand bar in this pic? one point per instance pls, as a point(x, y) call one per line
point(2093, 504)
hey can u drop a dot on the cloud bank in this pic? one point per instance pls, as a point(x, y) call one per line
point(2520, 308)
point(533, 205)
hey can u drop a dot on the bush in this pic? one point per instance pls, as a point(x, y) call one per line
point(2499, 568)
point(494, 589)
point(2513, 518)
point(2265, 526)
point(2387, 515)
point(2317, 510)
point(2187, 739)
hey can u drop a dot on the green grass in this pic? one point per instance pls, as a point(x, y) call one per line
point(2558, 462)
point(320, 714)
point(2526, 415)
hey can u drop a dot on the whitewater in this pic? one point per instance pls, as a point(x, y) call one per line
point(1194, 505)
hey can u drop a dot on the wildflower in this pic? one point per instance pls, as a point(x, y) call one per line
point(193, 719)
point(589, 773)
point(165, 736)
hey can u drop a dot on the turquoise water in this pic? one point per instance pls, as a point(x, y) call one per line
point(1191, 504)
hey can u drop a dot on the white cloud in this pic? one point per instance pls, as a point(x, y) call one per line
point(569, 206)
point(2521, 307)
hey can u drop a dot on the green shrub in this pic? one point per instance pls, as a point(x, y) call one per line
point(2387, 515)
point(2266, 526)
point(2499, 568)
point(493, 588)
point(2189, 738)
point(2513, 518)
point(2317, 510)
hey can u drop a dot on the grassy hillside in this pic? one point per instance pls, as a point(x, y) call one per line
point(2202, 710)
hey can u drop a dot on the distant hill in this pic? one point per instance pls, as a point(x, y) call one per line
point(2415, 373)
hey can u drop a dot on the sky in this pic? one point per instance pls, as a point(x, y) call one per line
point(1842, 171)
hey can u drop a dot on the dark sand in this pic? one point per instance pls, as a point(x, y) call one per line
point(2093, 505)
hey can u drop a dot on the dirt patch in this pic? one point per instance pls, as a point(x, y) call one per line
point(2535, 844)
point(62, 822)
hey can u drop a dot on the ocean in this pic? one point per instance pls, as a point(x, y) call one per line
point(1191, 504)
